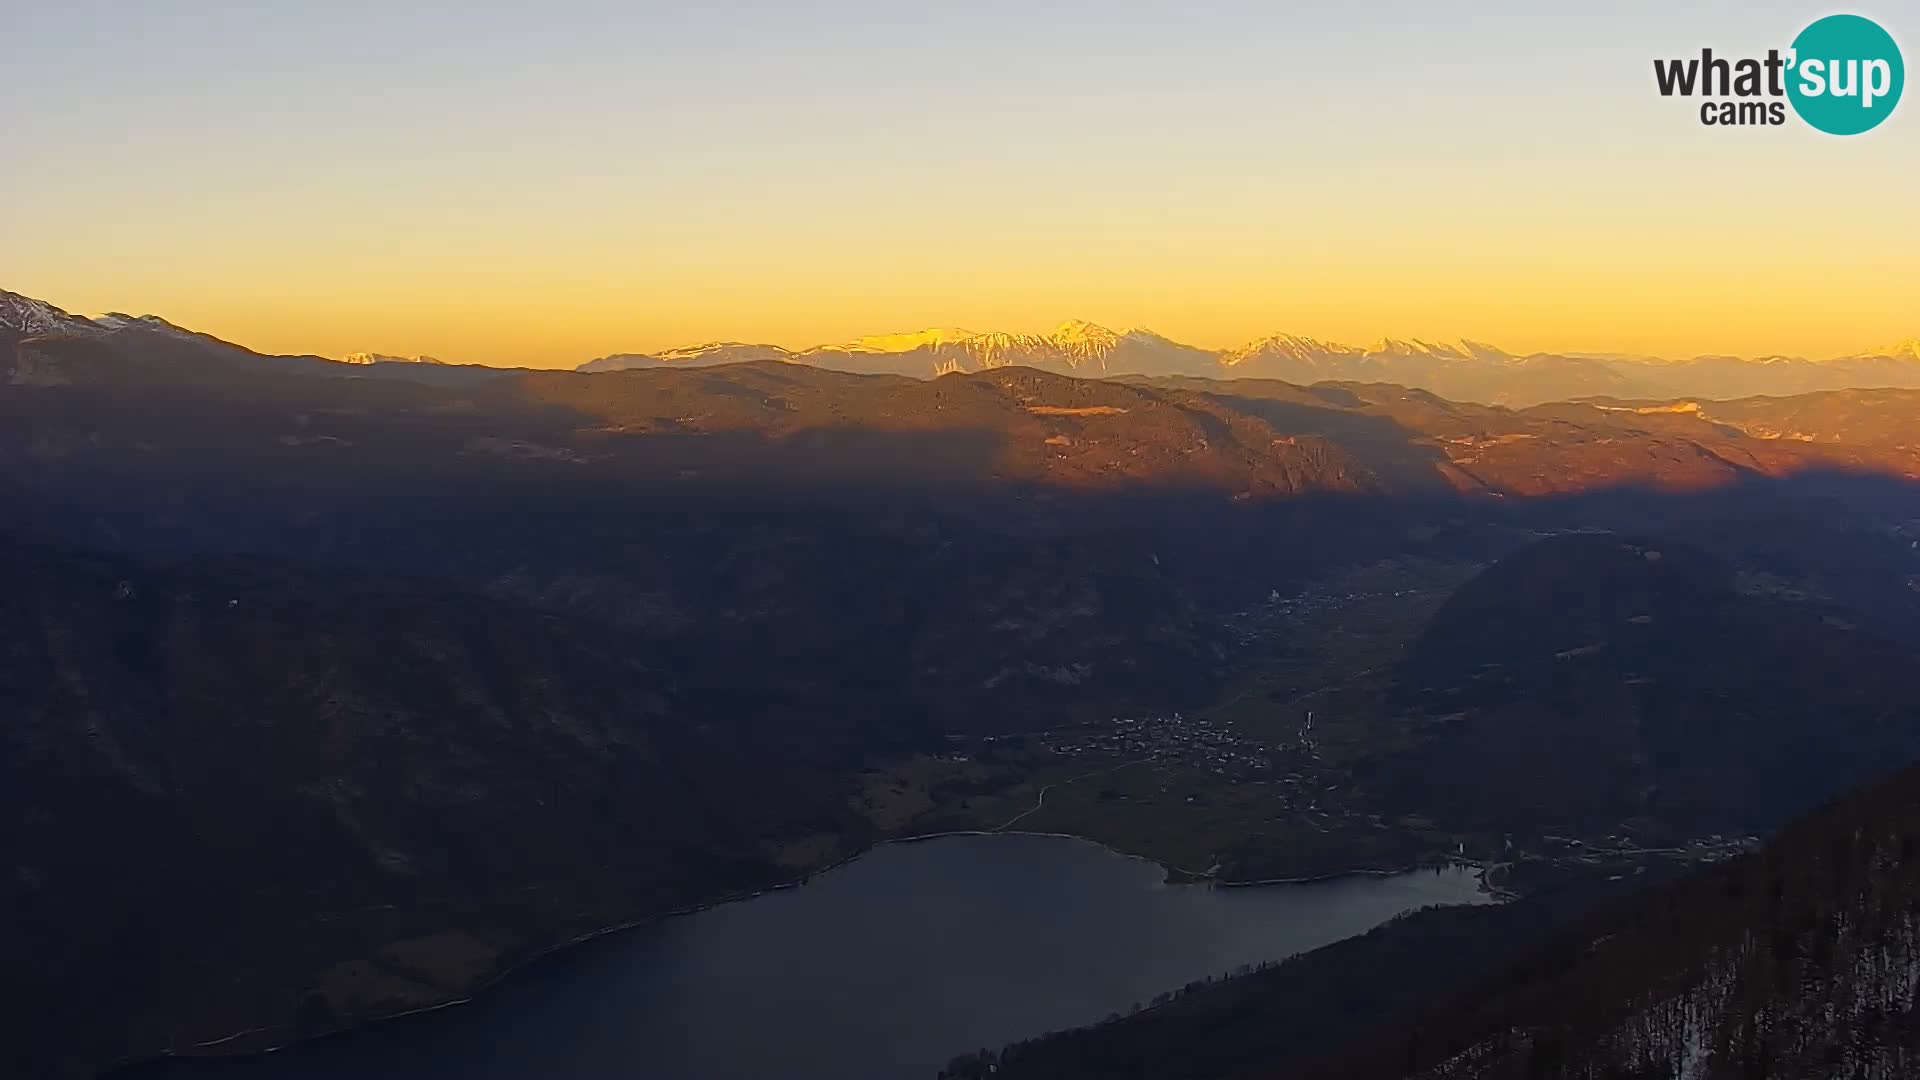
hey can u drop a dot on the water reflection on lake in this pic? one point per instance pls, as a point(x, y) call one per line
point(883, 969)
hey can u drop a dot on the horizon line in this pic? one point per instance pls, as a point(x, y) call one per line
point(952, 335)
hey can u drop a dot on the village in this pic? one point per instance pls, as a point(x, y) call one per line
point(1176, 739)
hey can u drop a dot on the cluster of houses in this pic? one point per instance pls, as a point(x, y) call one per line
point(1177, 739)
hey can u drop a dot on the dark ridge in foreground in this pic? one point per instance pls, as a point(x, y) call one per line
point(1307, 1008)
point(242, 798)
point(1796, 961)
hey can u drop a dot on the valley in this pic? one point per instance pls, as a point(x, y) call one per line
point(449, 668)
point(1266, 784)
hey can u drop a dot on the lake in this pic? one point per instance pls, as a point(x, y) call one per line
point(882, 969)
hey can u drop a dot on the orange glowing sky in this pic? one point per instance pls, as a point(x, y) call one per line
point(498, 184)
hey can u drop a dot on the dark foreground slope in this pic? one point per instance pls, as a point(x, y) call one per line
point(1799, 960)
point(1597, 683)
point(241, 797)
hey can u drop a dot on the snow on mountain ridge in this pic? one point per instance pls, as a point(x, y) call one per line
point(1288, 347)
point(1317, 354)
point(724, 351)
point(364, 358)
point(1464, 369)
point(1078, 337)
point(707, 354)
point(28, 317)
point(120, 320)
point(1070, 344)
point(899, 343)
point(1463, 349)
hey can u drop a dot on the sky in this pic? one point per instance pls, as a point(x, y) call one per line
point(544, 184)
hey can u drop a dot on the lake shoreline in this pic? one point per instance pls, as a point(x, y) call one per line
point(264, 1041)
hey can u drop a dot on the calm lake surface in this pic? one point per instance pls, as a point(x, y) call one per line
point(883, 969)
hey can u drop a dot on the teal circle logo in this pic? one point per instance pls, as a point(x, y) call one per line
point(1845, 75)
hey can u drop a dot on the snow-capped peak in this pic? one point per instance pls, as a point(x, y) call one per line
point(722, 352)
point(120, 320)
point(1082, 330)
point(27, 317)
point(1440, 350)
point(1288, 347)
point(383, 358)
point(1480, 350)
point(907, 342)
point(1306, 350)
point(1463, 349)
point(1083, 340)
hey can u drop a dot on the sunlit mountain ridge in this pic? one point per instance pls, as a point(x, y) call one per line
point(1461, 370)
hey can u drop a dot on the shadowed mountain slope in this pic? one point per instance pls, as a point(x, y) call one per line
point(238, 794)
point(1592, 679)
point(1795, 961)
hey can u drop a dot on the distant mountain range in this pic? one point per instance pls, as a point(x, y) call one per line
point(383, 358)
point(1075, 347)
point(1462, 370)
point(1465, 370)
